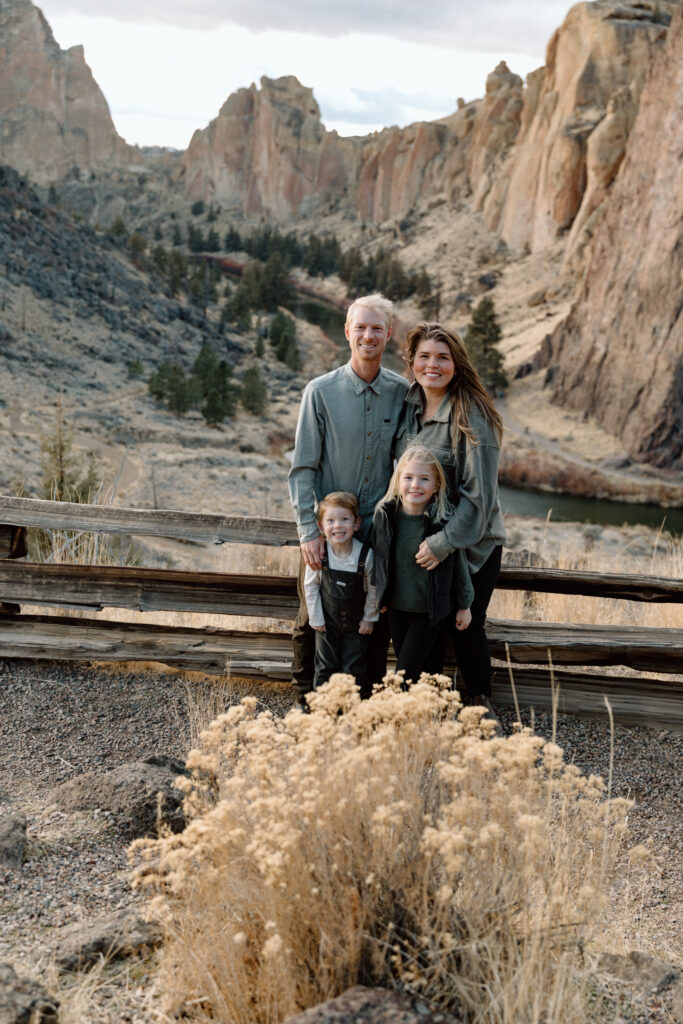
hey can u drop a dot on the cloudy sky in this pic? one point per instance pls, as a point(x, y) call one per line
point(166, 66)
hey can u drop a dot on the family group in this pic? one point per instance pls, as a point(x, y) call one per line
point(394, 488)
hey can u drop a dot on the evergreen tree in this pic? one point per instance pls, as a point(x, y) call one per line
point(254, 394)
point(213, 242)
point(177, 237)
point(482, 338)
point(275, 288)
point(233, 240)
point(64, 477)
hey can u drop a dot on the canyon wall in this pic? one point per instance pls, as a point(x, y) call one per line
point(537, 161)
point(619, 354)
point(53, 116)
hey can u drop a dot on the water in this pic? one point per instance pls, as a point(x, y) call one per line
point(567, 508)
point(515, 500)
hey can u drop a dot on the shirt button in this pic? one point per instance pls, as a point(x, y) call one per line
point(369, 407)
point(369, 433)
point(367, 457)
point(366, 480)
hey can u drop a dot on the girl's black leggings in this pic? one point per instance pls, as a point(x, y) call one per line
point(419, 646)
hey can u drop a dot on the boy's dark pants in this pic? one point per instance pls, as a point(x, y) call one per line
point(303, 649)
point(339, 651)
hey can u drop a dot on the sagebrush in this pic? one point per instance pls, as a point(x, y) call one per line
point(393, 842)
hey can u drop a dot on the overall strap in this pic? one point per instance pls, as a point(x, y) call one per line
point(325, 566)
point(362, 559)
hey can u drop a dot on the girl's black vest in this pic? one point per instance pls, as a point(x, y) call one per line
point(440, 591)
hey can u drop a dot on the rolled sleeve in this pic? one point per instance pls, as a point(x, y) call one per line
point(314, 604)
point(477, 498)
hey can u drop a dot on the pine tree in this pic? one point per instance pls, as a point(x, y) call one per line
point(482, 338)
point(254, 394)
point(64, 478)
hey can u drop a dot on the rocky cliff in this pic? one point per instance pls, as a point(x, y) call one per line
point(53, 116)
point(619, 354)
point(578, 111)
point(537, 161)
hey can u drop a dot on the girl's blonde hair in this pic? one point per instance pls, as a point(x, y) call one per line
point(466, 388)
point(441, 508)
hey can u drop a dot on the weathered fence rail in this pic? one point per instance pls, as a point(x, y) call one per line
point(525, 645)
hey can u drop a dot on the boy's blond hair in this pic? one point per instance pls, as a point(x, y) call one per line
point(375, 302)
point(338, 499)
point(419, 453)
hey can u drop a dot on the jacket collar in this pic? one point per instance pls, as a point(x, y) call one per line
point(415, 397)
point(358, 385)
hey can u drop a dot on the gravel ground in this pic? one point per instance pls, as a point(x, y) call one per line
point(59, 720)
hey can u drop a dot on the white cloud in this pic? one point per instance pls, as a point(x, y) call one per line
point(488, 25)
point(163, 81)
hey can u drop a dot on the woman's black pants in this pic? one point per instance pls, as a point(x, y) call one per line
point(471, 645)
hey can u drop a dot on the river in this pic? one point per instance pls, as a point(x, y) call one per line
point(515, 500)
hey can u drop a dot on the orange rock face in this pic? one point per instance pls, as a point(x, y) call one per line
point(619, 354)
point(596, 64)
point(53, 116)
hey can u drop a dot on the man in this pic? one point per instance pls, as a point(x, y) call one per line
point(344, 442)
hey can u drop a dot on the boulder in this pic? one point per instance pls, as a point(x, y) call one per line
point(23, 1001)
point(12, 840)
point(641, 971)
point(121, 933)
point(362, 1005)
point(137, 794)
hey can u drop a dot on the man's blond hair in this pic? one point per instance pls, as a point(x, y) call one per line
point(377, 303)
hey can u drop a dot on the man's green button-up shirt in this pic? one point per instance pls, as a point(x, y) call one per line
point(344, 442)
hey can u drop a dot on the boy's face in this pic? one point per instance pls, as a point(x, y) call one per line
point(338, 524)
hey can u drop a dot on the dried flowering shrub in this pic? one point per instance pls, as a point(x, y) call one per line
point(393, 841)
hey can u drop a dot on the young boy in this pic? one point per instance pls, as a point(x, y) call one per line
point(341, 600)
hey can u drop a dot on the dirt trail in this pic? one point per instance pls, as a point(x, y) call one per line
point(116, 455)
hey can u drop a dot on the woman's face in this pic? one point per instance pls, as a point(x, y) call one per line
point(433, 366)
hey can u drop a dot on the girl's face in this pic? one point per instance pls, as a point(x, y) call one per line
point(417, 485)
point(433, 366)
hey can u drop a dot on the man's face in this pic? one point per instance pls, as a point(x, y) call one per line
point(368, 335)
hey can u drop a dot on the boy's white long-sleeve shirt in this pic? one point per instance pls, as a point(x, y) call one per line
point(316, 615)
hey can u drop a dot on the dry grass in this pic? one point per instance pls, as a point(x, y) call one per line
point(388, 842)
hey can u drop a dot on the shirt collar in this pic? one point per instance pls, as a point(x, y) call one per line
point(415, 396)
point(358, 385)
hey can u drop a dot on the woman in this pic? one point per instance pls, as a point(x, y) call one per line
point(448, 410)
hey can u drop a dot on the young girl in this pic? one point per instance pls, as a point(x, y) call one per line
point(419, 602)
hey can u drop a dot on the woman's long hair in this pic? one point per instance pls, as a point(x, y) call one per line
point(466, 388)
point(439, 507)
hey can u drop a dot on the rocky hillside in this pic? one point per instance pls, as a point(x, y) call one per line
point(78, 309)
point(53, 115)
point(619, 354)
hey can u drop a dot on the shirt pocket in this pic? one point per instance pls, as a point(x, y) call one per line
point(449, 463)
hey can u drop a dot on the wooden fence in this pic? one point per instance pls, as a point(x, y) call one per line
point(524, 646)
